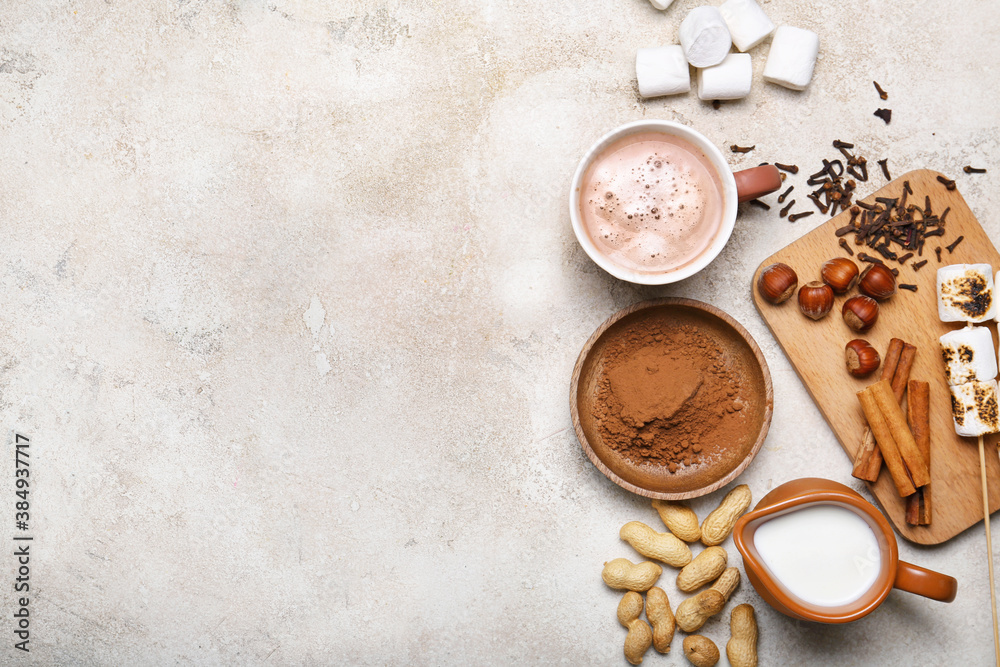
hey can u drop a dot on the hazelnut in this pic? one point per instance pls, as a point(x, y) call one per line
point(877, 282)
point(862, 359)
point(777, 283)
point(860, 312)
point(815, 300)
point(840, 273)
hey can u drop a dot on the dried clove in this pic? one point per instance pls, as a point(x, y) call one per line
point(919, 265)
point(912, 288)
point(858, 169)
point(884, 114)
point(758, 203)
point(881, 93)
point(790, 168)
point(822, 207)
point(837, 143)
point(885, 168)
point(903, 258)
point(799, 216)
point(784, 195)
point(868, 258)
point(846, 246)
point(954, 244)
point(716, 104)
point(742, 149)
point(969, 169)
point(783, 212)
point(946, 182)
point(937, 251)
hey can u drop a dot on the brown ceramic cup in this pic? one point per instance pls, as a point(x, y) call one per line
point(894, 573)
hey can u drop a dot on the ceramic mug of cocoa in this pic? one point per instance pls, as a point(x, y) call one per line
point(816, 550)
point(654, 202)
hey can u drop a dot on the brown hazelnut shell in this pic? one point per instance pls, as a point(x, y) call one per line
point(860, 312)
point(878, 282)
point(840, 273)
point(815, 300)
point(776, 283)
point(862, 359)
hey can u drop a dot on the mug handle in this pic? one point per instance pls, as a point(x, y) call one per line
point(757, 182)
point(921, 581)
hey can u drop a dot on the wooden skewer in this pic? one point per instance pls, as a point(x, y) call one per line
point(989, 550)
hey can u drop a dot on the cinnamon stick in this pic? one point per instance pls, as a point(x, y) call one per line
point(918, 506)
point(912, 457)
point(902, 375)
point(868, 459)
point(899, 362)
point(913, 504)
point(886, 443)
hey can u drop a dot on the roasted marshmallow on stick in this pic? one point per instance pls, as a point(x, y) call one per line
point(974, 408)
point(968, 355)
point(965, 294)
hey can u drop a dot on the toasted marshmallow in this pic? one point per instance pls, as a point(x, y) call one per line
point(729, 80)
point(792, 58)
point(748, 24)
point(662, 70)
point(705, 37)
point(974, 408)
point(965, 293)
point(661, 4)
point(969, 355)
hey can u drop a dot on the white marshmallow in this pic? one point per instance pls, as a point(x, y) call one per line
point(974, 408)
point(661, 4)
point(729, 80)
point(965, 293)
point(792, 58)
point(748, 24)
point(705, 37)
point(662, 70)
point(969, 355)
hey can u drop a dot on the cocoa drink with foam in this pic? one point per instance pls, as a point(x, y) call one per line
point(652, 202)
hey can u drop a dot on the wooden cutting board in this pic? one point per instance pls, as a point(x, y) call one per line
point(816, 350)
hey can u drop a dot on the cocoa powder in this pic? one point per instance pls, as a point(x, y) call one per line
point(667, 396)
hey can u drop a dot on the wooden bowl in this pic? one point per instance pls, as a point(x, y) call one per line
point(742, 358)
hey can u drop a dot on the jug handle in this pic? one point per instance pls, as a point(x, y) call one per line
point(921, 581)
point(756, 182)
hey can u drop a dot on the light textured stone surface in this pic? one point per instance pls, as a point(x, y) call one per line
point(291, 303)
